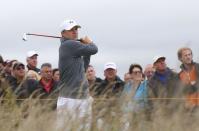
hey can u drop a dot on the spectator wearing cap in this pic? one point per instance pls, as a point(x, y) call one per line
point(112, 85)
point(74, 58)
point(31, 60)
point(107, 93)
point(163, 84)
point(189, 77)
point(18, 75)
point(21, 87)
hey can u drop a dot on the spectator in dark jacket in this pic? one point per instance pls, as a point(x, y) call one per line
point(112, 85)
point(163, 84)
point(47, 86)
point(92, 79)
point(107, 93)
point(20, 86)
point(47, 89)
point(32, 61)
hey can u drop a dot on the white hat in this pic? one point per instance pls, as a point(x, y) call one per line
point(68, 25)
point(157, 57)
point(110, 65)
point(31, 53)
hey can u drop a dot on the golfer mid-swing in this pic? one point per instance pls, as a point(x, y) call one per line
point(74, 57)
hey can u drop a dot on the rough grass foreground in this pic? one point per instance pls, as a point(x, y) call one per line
point(40, 115)
point(34, 115)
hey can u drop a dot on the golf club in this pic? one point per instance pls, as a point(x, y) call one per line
point(41, 35)
point(25, 36)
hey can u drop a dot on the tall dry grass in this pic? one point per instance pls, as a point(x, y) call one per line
point(37, 115)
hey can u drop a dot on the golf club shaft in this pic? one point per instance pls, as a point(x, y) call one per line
point(43, 35)
point(48, 36)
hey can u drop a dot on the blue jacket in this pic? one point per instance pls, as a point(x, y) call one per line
point(139, 101)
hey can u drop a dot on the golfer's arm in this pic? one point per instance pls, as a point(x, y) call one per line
point(85, 49)
point(86, 61)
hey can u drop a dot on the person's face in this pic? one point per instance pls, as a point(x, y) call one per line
point(149, 71)
point(136, 74)
point(46, 73)
point(56, 76)
point(187, 57)
point(110, 73)
point(8, 68)
point(127, 77)
point(32, 76)
point(160, 65)
point(90, 73)
point(71, 34)
point(32, 61)
point(19, 71)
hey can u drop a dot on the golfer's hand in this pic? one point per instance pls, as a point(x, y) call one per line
point(86, 40)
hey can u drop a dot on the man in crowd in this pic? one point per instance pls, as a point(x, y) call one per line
point(127, 77)
point(47, 88)
point(163, 84)
point(92, 79)
point(31, 60)
point(20, 86)
point(149, 71)
point(189, 76)
point(106, 95)
point(47, 85)
point(8, 66)
point(112, 85)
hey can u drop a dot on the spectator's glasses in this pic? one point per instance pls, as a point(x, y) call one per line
point(20, 68)
point(137, 72)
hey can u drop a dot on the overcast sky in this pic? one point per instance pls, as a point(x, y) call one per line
point(126, 31)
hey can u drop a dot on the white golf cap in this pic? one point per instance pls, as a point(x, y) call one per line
point(157, 57)
point(68, 25)
point(31, 53)
point(110, 65)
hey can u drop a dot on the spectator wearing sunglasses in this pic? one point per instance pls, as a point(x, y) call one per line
point(20, 86)
point(17, 75)
point(135, 96)
point(135, 91)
